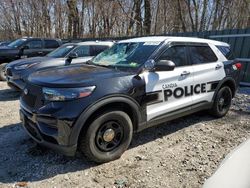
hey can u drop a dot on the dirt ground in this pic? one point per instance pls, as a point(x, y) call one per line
point(181, 153)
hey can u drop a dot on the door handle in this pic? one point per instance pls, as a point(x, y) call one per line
point(218, 66)
point(185, 73)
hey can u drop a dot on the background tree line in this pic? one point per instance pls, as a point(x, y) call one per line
point(105, 18)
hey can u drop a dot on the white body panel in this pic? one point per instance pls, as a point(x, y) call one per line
point(156, 80)
point(198, 82)
point(173, 39)
point(208, 72)
point(234, 171)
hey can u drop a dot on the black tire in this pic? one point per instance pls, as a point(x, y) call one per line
point(222, 102)
point(2, 72)
point(92, 143)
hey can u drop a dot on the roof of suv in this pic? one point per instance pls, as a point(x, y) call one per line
point(35, 38)
point(169, 38)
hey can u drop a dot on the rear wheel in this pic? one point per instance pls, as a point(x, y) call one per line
point(107, 137)
point(222, 102)
point(2, 72)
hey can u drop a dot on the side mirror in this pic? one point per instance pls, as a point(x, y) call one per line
point(164, 65)
point(73, 55)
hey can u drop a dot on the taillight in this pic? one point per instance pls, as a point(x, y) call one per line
point(238, 65)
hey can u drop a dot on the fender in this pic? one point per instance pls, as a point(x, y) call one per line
point(80, 122)
point(223, 81)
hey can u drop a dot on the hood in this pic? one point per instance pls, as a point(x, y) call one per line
point(29, 61)
point(6, 47)
point(74, 76)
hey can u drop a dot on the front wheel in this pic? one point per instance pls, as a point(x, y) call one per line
point(107, 137)
point(2, 72)
point(222, 102)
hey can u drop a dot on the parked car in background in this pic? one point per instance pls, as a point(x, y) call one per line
point(17, 71)
point(23, 48)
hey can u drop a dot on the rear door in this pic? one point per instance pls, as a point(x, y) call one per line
point(208, 70)
point(169, 91)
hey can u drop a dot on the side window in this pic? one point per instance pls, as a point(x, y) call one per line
point(34, 44)
point(95, 50)
point(51, 44)
point(226, 51)
point(201, 54)
point(177, 54)
point(82, 51)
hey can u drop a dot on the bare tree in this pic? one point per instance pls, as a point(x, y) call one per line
point(105, 18)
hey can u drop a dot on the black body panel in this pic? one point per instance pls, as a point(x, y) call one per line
point(69, 117)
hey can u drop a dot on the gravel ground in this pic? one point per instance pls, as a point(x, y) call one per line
point(182, 153)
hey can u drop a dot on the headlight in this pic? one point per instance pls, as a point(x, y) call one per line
point(64, 94)
point(24, 66)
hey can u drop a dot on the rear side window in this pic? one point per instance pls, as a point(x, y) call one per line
point(51, 44)
point(34, 44)
point(201, 54)
point(177, 54)
point(226, 51)
point(95, 50)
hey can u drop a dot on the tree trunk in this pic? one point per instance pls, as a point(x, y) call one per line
point(138, 18)
point(73, 16)
point(147, 20)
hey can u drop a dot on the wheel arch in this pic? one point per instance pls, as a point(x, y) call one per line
point(124, 103)
point(230, 82)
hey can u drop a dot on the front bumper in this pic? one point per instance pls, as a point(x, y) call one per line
point(40, 129)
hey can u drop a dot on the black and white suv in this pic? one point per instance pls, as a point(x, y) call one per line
point(133, 85)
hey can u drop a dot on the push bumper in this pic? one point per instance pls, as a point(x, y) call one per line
point(14, 80)
point(44, 134)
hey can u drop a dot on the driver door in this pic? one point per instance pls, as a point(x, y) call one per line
point(169, 89)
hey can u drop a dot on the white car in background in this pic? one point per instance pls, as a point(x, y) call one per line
point(234, 171)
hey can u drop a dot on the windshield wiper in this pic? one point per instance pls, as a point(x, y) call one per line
point(90, 62)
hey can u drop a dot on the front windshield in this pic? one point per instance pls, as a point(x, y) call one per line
point(17, 43)
point(61, 51)
point(129, 55)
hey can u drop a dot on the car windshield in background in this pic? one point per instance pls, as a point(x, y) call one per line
point(61, 51)
point(17, 43)
point(129, 55)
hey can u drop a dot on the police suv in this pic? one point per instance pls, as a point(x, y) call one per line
point(135, 84)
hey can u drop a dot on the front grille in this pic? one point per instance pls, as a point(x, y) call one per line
point(9, 72)
point(30, 100)
point(33, 96)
